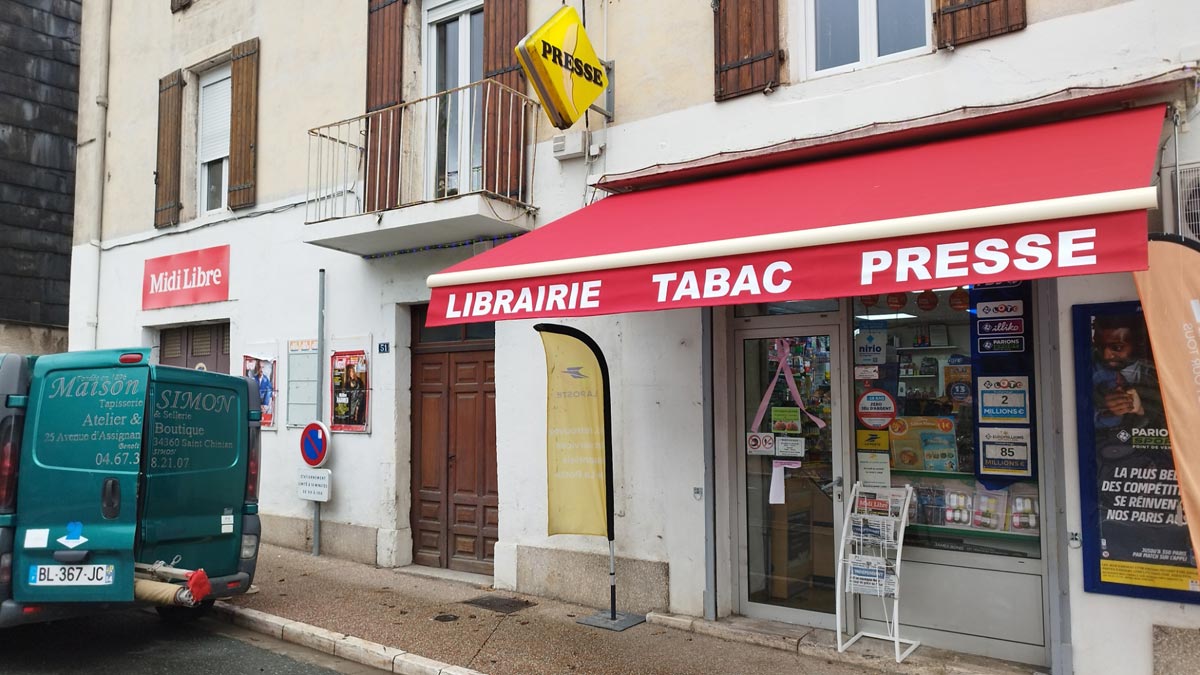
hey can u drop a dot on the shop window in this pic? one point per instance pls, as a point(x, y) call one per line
point(845, 34)
point(921, 358)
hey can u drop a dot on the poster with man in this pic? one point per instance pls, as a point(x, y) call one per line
point(1136, 540)
point(351, 391)
point(262, 370)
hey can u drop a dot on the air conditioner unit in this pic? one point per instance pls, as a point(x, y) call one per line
point(1188, 220)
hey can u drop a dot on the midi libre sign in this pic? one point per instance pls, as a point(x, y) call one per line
point(559, 60)
point(188, 278)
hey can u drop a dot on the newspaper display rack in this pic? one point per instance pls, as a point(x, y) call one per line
point(869, 559)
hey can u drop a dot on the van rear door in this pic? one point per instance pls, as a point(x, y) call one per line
point(77, 490)
point(195, 470)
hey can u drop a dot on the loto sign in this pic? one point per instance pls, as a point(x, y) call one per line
point(188, 278)
point(559, 60)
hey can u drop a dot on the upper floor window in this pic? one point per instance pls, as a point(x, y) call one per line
point(847, 34)
point(456, 32)
point(213, 144)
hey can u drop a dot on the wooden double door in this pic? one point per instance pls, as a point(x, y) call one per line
point(455, 508)
point(201, 347)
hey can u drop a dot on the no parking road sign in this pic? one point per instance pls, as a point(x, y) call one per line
point(314, 444)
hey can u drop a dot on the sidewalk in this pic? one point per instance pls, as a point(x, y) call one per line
point(427, 617)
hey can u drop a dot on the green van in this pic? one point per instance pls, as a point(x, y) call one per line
point(115, 471)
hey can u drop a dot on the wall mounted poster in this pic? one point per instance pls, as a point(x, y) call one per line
point(1135, 536)
point(351, 391)
point(262, 369)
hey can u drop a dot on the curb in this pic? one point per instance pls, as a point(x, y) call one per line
point(823, 644)
point(343, 646)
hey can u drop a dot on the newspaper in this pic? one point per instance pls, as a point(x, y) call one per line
point(869, 575)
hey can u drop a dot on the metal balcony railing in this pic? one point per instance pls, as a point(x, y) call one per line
point(473, 139)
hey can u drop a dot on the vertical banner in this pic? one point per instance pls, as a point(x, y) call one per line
point(1170, 293)
point(1135, 536)
point(262, 368)
point(351, 391)
point(578, 434)
point(1002, 369)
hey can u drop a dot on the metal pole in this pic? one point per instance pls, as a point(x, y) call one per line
point(710, 459)
point(612, 582)
point(316, 541)
point(1179, 222)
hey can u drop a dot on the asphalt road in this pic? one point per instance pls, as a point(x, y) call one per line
point(137, 642)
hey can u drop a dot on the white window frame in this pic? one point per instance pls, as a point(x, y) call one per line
point(208, 77)
point(868, 39)
point(435, 13)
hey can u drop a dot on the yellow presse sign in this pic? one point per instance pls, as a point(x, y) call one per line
point(575, 443)
point(559, 60)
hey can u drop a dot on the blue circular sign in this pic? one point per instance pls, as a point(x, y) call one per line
point(314, 444)
point(960, 392)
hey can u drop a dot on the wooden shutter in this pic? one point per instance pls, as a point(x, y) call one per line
point(170, 135)
point(747, 54)
point(385, 69)
point(177, 5)
point(504, 133)
point(243, 125)
point(963, 21)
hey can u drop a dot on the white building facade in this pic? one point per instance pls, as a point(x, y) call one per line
point(307, 156)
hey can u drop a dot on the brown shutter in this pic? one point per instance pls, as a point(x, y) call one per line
point(963, 21)
point(166, 173)
point(385, 69)
point(385, 52)
point(243, 125)
point(504, 136)
point(747, 54)
point(177, 5)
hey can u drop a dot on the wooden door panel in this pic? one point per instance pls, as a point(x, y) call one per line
point(455, 507)
point(429, 447)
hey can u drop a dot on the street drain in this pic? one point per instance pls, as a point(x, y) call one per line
point(446, 618)
point(499, 603)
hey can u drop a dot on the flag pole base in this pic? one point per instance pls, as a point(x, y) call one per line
point(602, 620)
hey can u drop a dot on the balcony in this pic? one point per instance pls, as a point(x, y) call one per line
point(452, 167)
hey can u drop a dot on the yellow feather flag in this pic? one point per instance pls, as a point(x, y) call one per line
point(578, 430)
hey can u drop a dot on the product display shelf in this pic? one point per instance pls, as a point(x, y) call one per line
point(943, 348)
point(909, 377)
point(972, 532)
point(948, 474)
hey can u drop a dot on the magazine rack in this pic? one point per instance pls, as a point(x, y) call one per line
point(869, 558)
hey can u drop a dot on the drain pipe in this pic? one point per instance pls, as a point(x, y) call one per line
point(89, 184)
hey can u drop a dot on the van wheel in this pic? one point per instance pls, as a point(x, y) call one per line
point(175, 614)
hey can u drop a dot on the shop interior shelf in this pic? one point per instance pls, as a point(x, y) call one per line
point(925, 349)
point(945, 474)
point(909, 377)
point(971, 533)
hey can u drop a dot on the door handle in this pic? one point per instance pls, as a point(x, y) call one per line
point(110, 499)
point(71, 557)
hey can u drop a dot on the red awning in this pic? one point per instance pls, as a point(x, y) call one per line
point(1053, 200)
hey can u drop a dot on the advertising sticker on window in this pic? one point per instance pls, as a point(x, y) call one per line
point(1004, 399)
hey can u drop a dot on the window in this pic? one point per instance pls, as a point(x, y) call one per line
point(847, 34)
point(918, 349)
point(212, 148)
point(456, 41)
